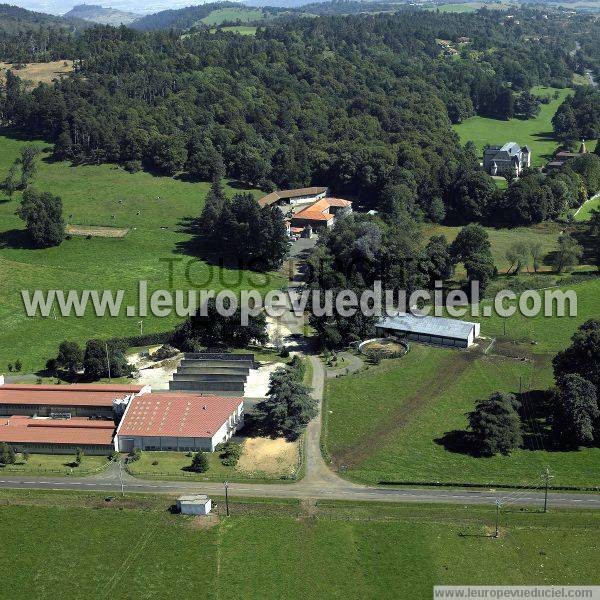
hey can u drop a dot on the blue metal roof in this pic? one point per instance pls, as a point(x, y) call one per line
point(428, 325)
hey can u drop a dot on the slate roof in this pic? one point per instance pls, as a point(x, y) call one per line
point(428, 325)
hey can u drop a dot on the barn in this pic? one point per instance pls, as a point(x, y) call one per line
point(180, 422)
point(431, 330)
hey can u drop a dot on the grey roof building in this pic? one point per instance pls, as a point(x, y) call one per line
point(432, 330)
point(507, 159)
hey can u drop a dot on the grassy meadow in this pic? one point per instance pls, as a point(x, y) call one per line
point(468, 7)
point(242, 14)
point(501, 239)
point(536, 133)
point(55, 464)
point(399, 421)
point(153, 210)
point(174, 465)
point(78, 546)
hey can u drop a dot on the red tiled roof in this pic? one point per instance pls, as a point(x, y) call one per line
point(337, 202)
point(183, 415)
point(319, 211)
point(75, 431)
point(313, 215)
point(65, 395)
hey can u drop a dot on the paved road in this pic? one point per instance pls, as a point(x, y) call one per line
point(319, 482)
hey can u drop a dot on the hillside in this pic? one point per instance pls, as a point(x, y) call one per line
point(14, 19)
point(101, 15)
point(180, 19)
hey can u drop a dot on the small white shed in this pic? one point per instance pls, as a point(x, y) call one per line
point(194, 504)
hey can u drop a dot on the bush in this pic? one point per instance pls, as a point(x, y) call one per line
point(154, 463)
point(7, 454)
point(134, 455)
point(229, 453)
point(199, 462)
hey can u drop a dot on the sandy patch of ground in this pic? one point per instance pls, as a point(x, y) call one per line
point(110, 232)
point(257, 383)
point(273, 457)
point(40, 72)
point(155, 374)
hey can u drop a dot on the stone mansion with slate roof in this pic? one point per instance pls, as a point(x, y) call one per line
point(507, 159)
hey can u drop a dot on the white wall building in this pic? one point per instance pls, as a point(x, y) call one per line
point(180, 422)
point(194, 504)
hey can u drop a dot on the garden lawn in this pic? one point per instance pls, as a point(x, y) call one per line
point(103, 196)
point(536, 133)
point(347, 551)
point(420, 447)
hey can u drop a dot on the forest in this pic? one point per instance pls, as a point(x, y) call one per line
point(363, 104)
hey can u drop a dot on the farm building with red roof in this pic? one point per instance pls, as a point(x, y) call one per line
point(81, 400)
point(57, 436)
point(179, 422)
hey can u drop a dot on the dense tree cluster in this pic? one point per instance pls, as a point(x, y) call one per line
point(578, 117)
point(495, 425)
point(576, 413)
point(536, 197)
point(212, 329)
point(238, 228)
point(362, 104)
point(288, 407)
point(105, 359)
point(360, 250)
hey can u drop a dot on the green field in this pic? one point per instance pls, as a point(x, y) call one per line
point(240, 29)
point(501, 239)
point(536, 133)
point(57, 464)
point(173, 465)
point(585, 212)
point(466, 7)
point(77, 546)
point(92, 195)
point(222, 15)
point(396, 421)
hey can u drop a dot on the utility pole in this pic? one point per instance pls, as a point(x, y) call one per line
point(141, 324)
point(107, 361)
point(226, 499)
point(520, 385)
point(547, 477)
point(497, 534)
point(121, 477)
point(504, 321)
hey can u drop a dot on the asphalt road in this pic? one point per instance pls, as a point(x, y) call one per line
point(319, 481)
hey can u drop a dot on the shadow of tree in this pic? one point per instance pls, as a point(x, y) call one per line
point(458, 441)
point(17, 239)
